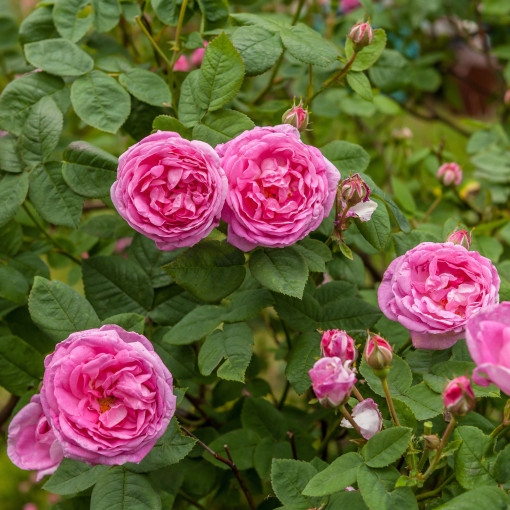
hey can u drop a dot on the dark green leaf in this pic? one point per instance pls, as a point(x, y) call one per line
point(10, 159)
point(241, 443)
point(263, 418)
point(221, 126)
point(73, 476)
point(146, 86)
point(106, 14)
point(214, 14)
point(481, 497)
point(347, 157)
point(315, 253)
point(377, 230)
point(13, 190)
point(244, 304)
point(386, 446)
point(190, 109)
point(128, 321)
point(303, 355)
point(400, 377)
point(38, 25)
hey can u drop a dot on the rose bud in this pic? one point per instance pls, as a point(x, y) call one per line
point(458, 396)
point(361, 35)
point(355, 195)
point(332, 381)
point(462, 237)
point(402, 134)
point(506, 97)
point(367, 416)
point(296, 116)
point(182, 64)
point(450, 173)
point(431, 441)
point(378, 352)
point(338, 343)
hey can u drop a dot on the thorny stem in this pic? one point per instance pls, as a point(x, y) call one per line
point(389, 400)
point(153, 42)
point(499, 429)
point(357, 394)
point(180, 21)
point(331, 432)
point(433, 492)
point(442, 444)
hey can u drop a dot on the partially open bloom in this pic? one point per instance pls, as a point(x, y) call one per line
point(450, 172)
point(434, 289)
point(368, 418)
point(279, 189)
point(338, 343)
point(458, 396)
point(462, 237)
point(361, 35)
point(170, 189)
point(296, 116)
point(355, 197)
point(488, 341)
point(332, 381)
point(378, 352)
point(31, 443)
point(107, 395)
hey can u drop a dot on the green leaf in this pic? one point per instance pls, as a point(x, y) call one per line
point(475, 459)
point(146, 86)
point(386, 446)
point(245, 304)
point(221, 126)
point(21, 94)
point(303, 355)
point(347, 157)
point(21, 366)
point(119, 489)
point(214, 14)
point(68, 18)
point(349, 314)
point(262, 417)
point(234, 344)
point(179, 359)
point(168, 11)
point(13, 285)
point(502, 466)
point(59, 310)
point(481, 497)
point(106, 14)
point(347, 499)
point(100, 101)
point(369, 55)
point(11, 239)
point(315, 253)
point(400, 377)
point(59, 56)
point(259, 48)
point(128, 321)
point(115, 285)
point(37, 25)
point(280, 269)
point(221, 74)
point(289, 478)
point(197, 324)
point(169, 449)
point(423, 402)
point(265, 451)
point(73, 476)
point(241, 444)
point(336, 477)
point(10, 159)
point(377, 230)
point(402, 194)
point(190, 109)
point(168, 123)
point(360, 84)
point(13, 190)
point(88, 170)
point(392, 72)
point(52, 198)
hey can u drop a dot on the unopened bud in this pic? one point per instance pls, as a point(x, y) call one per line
point(462, 237)
point(506, 97)
point(378, 352)
point(402, 134)
point(338, 343)
point(431, 441)
point(450, 173)
point(296, 116)
point(353, 190)
point(361, 35)
point(458, 397)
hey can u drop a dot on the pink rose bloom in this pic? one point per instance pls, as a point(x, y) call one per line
point(107, 395)
point(458, 396)
point(338, 343)
point(198, 55)
point(434, 289)
point(488, 341)
point(348, 5)
point(368, 418)
point(450, 172)
point(182, 64)
point(31, 443)
point(170, 189)
point(280, 189)
point(332, 381)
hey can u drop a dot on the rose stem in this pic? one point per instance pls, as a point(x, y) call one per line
point(433, 492)
point(357, 394)
point(191, 501)
point(290, 435)
point(350, 419)
point(153, 42)
point(442, 444)
point(176, 48)
point(389, 400)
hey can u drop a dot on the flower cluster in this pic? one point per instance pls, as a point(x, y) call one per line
point(106, 398)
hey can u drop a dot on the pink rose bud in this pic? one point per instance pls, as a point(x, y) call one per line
point(332, 381)
point(462, 237)
point(198, 55)
point(458, 397)
point(296, 116)
point(182, 64)
point(31, 442)
point(338, 343)
point(506, 98)
point(367, 416)
point(348, 5)
point(450, 172)
point(378, 352)
point(354, 190)
point(361, 35)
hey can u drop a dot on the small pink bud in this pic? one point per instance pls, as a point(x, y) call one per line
point(506, 97)
point(353, 190)
point(458, 396)
point(378, 352)
point(349, 5)
point(450, 172)
point(338, 343)
point(367, 416)
point(402, 134)
point(296, 116)
point(462, 237)
point(332, 381)
point(198, 55)
point(182, 64)
point(361, 35)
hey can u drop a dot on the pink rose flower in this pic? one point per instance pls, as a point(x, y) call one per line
point(182, 64)
point(450, 172)
point(31, 443)
point(488, 341)
point(332, 381)
point(458, 396)
point(338, 343)
point(368, 418)
point(280, 189)
point(170, 189)
point(107, 395)
point(434, 289)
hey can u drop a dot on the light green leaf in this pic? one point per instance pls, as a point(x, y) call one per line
point(423, 402)
point(69, 18)
point(106, 14)
point(13, 190)
point(73, 476)
point(347, 157)
point(221, 126)
point(190, 109)
point(400, 377)
point(10, 158)
point(168, 123)
point(377, 230)
point(146, 86)
point(481, 497)
point(386, 446)
point(360, 84)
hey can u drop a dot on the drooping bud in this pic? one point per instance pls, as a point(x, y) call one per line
point(458, 396)
point(338, 343)
point(450, 173)
point(462, 237)
point(296, 116)
point(332, 381)
point(361, 35)
point(367, 416)
point(378, 352)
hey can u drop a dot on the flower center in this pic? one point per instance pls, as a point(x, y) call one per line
point(105, 403)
